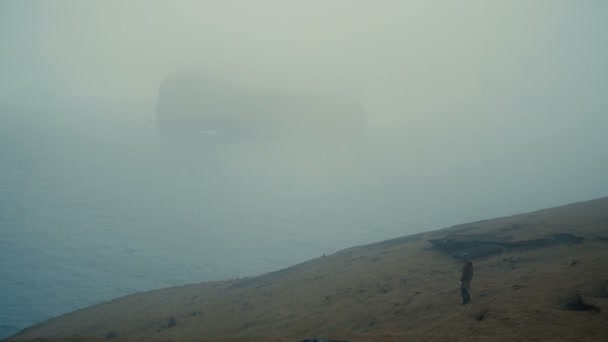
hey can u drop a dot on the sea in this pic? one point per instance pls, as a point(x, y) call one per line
point(96, 203)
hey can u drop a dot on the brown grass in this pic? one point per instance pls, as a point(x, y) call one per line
point(397, 290)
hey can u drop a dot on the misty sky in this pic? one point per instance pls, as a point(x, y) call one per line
point(443, 49)
point(456, 93)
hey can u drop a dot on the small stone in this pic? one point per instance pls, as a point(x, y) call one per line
point(171, 322)
point(111, 334)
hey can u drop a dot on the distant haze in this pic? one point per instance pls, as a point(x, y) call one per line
point(511, 88)
point(472, 110)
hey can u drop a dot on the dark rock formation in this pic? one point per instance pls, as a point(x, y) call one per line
point(581, 303)
point(196, 103)
point(478, 247)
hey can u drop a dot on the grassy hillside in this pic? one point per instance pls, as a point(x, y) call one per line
point(538, 276)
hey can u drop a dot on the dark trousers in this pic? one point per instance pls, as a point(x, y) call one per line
point(466, 297)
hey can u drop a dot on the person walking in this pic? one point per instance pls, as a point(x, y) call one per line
point(465, 279)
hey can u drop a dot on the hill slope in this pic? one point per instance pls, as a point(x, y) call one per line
point(538, 276)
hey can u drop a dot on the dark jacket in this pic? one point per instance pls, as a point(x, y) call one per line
point(467, 275)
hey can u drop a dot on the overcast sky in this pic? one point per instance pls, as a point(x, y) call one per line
point(436, 49)
point(473, 87)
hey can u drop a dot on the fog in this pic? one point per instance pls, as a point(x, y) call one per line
point(462, 111)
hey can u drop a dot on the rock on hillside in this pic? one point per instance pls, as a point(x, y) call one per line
point(546, 278)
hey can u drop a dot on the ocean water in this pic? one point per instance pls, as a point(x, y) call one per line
point(93, 207)
point(97, 204)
